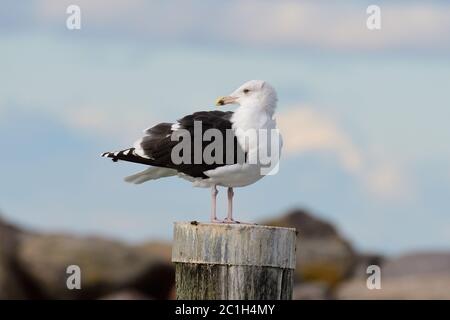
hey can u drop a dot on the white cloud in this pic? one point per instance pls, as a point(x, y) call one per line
point(387, 180)
point(341, 26)
point(307, 130)
point(274, 23)
point(100, 121)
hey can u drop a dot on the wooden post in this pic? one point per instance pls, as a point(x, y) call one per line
point(233, 261)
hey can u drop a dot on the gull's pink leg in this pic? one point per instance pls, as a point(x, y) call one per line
point(229, 218)
point(214, 193)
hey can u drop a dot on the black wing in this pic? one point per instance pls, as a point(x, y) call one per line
point(155, 148)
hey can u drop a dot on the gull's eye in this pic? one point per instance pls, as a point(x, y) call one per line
point(246, 91)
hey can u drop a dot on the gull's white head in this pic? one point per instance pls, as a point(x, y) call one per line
point(254, 93)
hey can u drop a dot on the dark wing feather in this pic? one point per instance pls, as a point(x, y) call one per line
point(127, 155)
point(156, 147)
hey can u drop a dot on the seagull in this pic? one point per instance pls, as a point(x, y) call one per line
point(238, 160)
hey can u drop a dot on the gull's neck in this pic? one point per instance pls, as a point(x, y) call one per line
point(253, 116)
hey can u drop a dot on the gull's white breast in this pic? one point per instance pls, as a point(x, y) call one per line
point(240, 175)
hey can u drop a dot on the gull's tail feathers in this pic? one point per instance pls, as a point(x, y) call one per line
point(128, 155)
point(150, 174)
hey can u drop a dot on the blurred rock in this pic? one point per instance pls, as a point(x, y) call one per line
point(9, 284)
point(312, 291)
point(15, 283)
point(323, 255)
point(162, 250)
point(423, 275)
point(106, 266)
point(406, 287)
point(363, 261)
point(418, 264)
point(127, 294)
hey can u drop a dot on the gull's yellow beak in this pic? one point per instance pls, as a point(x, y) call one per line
point(225, 100)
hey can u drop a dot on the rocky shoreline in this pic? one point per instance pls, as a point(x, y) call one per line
point(33, 266)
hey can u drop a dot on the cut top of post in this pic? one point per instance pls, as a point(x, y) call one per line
point(234, 244)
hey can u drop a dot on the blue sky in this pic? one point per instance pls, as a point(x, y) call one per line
point(364, 114)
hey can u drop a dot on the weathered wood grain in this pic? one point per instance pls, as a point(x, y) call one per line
point(233, 261)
